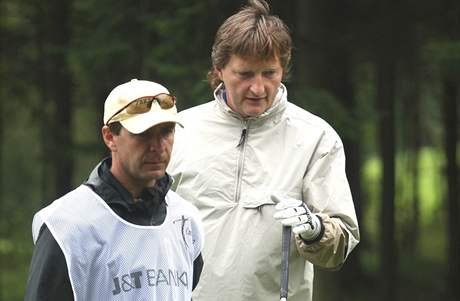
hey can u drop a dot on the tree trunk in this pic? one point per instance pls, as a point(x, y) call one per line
point(2, 126)
point(412, 138)
point(2, 147)
point(386, 132)
point(451, 24)
point(61, 80)
point(450, 108)
point(414, 171)
point(41, 75)
point(55, 86)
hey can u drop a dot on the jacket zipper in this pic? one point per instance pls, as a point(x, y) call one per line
point(243, 137)
point(239, 174)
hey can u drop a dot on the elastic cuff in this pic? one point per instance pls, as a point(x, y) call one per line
point(317, 238)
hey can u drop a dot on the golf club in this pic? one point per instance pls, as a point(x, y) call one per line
point(285, 247)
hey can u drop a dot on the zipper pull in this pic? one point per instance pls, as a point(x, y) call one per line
point(243, 138)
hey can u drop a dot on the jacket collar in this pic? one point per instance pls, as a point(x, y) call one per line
point(275, 111)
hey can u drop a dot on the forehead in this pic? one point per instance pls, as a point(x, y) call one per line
point(240, 62)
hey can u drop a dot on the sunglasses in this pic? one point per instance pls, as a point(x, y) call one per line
point(144, 104)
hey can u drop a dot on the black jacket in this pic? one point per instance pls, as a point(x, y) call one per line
point(48, 275)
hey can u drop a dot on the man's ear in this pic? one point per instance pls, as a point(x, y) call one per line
point(219, 73)
point(108, 137)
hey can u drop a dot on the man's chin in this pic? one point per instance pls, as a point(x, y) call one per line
point(253, 112)
point(254, 109)
point(152, 175)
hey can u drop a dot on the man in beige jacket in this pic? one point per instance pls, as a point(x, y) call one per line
point(251, 159)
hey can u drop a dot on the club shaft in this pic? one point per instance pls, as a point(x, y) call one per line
point(285, 248)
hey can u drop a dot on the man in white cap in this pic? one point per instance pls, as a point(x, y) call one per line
point(122, 235)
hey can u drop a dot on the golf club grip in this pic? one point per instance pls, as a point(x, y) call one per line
point(285, 246)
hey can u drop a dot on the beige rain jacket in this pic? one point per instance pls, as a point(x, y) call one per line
point(228, 166)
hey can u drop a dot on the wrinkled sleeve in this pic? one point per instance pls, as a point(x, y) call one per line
point(327, 193)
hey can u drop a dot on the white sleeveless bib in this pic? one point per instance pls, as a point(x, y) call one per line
point(109, 258)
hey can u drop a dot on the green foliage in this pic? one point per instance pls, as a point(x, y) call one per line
point(432, 244)
point(322, 103)
point(446, 55)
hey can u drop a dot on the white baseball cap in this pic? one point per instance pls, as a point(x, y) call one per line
point(139, 105)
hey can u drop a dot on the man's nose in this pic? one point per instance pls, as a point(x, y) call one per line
point(257, 85)
point(158, 143)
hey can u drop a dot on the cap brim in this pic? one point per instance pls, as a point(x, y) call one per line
point(142, 122)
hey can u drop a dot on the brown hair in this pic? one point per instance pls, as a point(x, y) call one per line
point(252, 32)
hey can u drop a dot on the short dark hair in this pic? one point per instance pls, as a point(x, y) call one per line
point(252, 32)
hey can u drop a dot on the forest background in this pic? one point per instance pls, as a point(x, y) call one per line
point(385, 74)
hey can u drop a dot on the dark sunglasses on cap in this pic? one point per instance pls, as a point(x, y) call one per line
point(144, 104)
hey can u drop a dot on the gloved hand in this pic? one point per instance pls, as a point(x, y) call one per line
point(294, 213)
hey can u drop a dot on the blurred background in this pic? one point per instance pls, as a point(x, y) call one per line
point(385, 74)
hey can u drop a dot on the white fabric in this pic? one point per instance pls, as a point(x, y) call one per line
point(111, 259)
point(229, 167)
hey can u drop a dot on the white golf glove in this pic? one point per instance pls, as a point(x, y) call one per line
point(294, 213)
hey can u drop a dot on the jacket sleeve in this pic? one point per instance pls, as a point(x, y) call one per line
point(327, 193)
point(48, 276)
